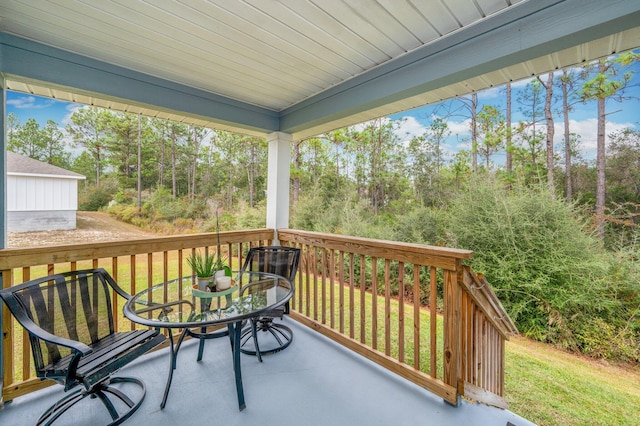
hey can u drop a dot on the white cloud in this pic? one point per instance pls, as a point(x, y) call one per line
point(409, 129)
point(30, 102)
point(588, 131)
point(71, 108)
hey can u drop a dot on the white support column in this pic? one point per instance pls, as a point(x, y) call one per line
point(278, 181)
point(3, 213)
point(3, 166)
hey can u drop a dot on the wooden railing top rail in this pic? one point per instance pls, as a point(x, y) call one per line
point(441, 257)
point(24, 257)
point(482, 294)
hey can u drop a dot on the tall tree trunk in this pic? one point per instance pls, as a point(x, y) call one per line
point(600, 164)
point(139, 164)
point(98, 166)
point(567, 137)
point(161, 165)
point(196, 152)
point(509, 163)
point(296, 166)
point(252, 172)
point(173, 162)
point(230, 189)
point(550, 132)
point(474, 131)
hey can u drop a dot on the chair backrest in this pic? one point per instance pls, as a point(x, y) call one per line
point(73, 305)
point(278, 260)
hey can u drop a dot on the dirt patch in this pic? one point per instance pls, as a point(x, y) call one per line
point(91, 227)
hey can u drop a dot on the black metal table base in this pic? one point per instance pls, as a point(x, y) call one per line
point(233, 331)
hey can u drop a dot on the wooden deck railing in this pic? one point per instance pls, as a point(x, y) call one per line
point(134, 264)
point(414, 309)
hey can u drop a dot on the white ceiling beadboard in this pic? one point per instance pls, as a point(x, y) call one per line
point(265, 52)
point(274, 54)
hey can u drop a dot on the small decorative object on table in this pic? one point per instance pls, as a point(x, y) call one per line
point(204, 267)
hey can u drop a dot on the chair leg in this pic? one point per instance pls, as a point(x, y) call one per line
point(282, 336)
point(59, 408)
point(99, 391)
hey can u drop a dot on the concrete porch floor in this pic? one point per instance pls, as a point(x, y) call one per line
point(313, 382)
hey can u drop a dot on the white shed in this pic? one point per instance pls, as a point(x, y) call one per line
point(40, 196)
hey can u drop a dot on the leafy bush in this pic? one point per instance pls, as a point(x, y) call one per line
point(251, 218)
point(421, 225)
point(124, 212)
point(95, 198)
point(600, 339)
point(548, 271)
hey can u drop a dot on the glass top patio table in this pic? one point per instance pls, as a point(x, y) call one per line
point(178, 304)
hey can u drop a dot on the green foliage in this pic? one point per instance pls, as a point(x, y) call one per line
point(550, 274)
point(421, 225)
point(204, 266)
point(95, 198)
point(251, 218)
point(601, 339)
point(124, 212)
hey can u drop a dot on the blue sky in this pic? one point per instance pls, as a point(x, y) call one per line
point(583, 118)
point(42, 109)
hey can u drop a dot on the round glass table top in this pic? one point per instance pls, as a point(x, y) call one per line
point(179, 303)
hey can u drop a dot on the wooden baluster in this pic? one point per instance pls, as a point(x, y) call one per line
point(26, 343)
point(332, 289)
point(374, 303)
point(387, 307)
point(341, 294)
point(433, 319)
point(363, 293)
point(323, 300)
point(352, 279)
point(401, 311)
point(416, 317)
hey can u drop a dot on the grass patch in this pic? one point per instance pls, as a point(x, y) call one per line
point(552, 387)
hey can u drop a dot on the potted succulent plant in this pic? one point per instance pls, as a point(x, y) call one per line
point(204, 267)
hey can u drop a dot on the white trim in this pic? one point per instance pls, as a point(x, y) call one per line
point(79, 177)
point(278, 180)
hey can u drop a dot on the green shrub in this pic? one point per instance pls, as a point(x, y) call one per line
point(124, 212)
point(251, 218)
point(95, 198)
point(544, 265)
point(603, 340)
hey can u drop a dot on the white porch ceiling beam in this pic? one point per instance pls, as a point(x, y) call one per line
point(28, 61)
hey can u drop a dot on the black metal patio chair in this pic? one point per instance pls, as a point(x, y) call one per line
point(74, 341)
point(263, 335)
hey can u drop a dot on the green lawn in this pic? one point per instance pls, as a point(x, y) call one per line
point(552, 387)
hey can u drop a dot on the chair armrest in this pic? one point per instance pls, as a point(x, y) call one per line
point(43, 334)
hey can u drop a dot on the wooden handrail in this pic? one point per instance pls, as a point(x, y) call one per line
point(25, 257)
point(440, 257)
